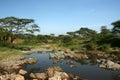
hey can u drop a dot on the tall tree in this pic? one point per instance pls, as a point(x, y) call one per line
point(18, 26)
point(86, 32)
point(116, 27)
point(71, 34)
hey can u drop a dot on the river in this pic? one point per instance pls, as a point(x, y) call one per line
point(83, 68)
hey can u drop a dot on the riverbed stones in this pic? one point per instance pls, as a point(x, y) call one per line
point(59, 76)
point(52, 73)
point(13, 64)
point(108, 64)
point(16, 66)
point(22, 72)
point(19, 77)
point(32, 75)
point(41, 76)
point(12, 76)
point(68, 54)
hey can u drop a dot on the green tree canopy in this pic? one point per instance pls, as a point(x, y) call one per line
point(85, 32)
point(15, 25)
point(116, 26)
point(18, 25)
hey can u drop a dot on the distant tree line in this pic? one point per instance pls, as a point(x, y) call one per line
point(12, 28)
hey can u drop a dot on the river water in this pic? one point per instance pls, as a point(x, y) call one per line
point(83, 68)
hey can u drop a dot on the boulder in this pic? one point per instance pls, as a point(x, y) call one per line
point(64, 76)
point(67, 51)
point(32, 75)
point(108, 64)
point(41, 76)
point(55, 73)
point(19, 77)
point(22, 72)
point(102, 66)
point(50, 71)
point(16, 66)
point(59, 76)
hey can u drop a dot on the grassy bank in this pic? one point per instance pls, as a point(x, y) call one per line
point(8, 52)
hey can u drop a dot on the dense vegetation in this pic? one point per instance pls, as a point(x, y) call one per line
point(18, 32)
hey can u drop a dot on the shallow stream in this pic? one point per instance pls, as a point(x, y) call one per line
point(83, 68)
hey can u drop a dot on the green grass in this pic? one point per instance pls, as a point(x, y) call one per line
point(7, 52)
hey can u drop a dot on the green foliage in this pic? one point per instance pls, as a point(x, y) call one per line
point(91, 46)
point(66, 40)
point(3, 43)
point(115, 52)
point(10, 26)
point(115, 41)
point(6, 52)
point(42, 38)
point(116, 27)
point(86, 32)
point(104, 47)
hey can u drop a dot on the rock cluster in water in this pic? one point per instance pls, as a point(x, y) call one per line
point(54, 73)
point(108, 64)
point(12, 69)
point(68, 54)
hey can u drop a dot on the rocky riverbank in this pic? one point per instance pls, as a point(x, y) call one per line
point(108, 64)
point(104, 60)
point(71, 54)
point(13, 69)
point(54, 73)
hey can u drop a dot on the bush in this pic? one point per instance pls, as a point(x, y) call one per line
point(104, 47)
point(91, 46)
point(4, 43)
point(115, 52)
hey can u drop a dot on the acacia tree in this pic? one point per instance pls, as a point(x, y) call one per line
point(85, 32)
point(116, 27)
point(104, 30)
point(18, 26)
point(71, 34)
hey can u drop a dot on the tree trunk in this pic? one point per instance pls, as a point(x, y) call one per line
point(10, 40)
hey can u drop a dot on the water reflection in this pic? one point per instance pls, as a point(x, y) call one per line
point(85, 68)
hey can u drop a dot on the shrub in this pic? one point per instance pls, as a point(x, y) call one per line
point(91, 46)
point(104, 47)
point(3, 43)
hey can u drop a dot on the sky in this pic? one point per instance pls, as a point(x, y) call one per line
point(61, 16)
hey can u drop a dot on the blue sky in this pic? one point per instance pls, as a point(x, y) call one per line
point(61, 16)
